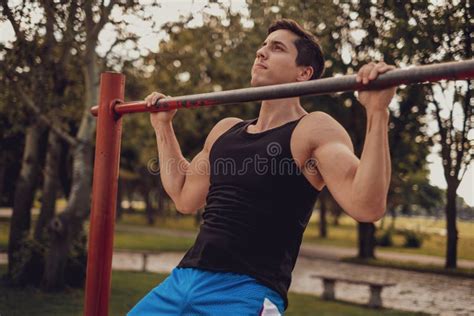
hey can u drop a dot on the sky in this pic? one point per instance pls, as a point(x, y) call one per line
point(172, 10)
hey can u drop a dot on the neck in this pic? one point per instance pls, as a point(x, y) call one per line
point(277, 112)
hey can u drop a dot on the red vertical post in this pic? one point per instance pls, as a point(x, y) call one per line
point(104, 196)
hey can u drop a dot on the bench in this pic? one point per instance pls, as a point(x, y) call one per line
point(375, 300)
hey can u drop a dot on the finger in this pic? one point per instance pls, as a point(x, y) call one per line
point(366, 72)
point(149, 99)
point(157, 96)
point(358, 77)
point(360, 73)
point(378, 69)
point(386, 68)
point(374, 72)
point(383, 69)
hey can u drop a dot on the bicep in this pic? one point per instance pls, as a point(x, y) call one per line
point(197, 181)
point(337, 165)
point(196, 185)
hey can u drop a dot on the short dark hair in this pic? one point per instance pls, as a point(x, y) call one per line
point(309, 51)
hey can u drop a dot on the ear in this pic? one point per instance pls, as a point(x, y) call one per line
point(305, 73)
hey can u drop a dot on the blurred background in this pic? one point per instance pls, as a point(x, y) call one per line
point(51, 57)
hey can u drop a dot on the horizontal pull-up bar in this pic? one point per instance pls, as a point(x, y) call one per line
point(429, 73)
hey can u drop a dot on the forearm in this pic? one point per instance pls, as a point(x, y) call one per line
point(372, 178)
point(173, 165)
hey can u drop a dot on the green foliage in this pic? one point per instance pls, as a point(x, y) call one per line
point(30, 266)
point(385, 238)
point(412, 239)
point(31, 262)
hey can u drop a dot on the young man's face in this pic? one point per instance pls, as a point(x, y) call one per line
point(276, 60)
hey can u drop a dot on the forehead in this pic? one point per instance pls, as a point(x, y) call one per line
point(285, 36)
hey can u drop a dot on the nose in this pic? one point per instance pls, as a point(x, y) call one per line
point(262, 53)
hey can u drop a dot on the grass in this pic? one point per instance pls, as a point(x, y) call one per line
point(129, 287)
point(4, 230)
point(148, 242)
point(178, 222)
point(345, 235)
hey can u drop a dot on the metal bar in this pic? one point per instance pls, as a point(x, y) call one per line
point(104, 196)
point(419, 74)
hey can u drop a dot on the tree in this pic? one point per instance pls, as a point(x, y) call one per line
point(457, 150)
point(433, 32)
point(57, 58)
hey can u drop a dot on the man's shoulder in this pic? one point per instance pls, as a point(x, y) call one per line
point(319, 117)
point(220, 128)
point(223, 125)
point(228, 121)
point(319, 121)
point(319, 127)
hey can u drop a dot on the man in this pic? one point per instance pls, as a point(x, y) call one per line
point(259, 180)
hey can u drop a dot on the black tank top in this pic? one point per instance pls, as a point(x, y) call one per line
point(257, 208)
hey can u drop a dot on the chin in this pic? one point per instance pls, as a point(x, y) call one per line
point(258, 83)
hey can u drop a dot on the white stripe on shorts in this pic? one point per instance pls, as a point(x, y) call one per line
point(269, 309)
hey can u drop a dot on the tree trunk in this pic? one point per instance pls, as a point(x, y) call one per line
point(161, 199)
point(322, 217)
point(3, 167)
point(70, 224)
point(452, 232)
point(119, 214)
point(50, 185)
point(149, 210)
point(382, 223)
point(393, 213)
point(64, 230)
point(198, 217)
point(337, 216)
point(24, 195)
point(65, 169)
point(130, 186)
point(366, 240)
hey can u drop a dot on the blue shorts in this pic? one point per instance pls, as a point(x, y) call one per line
point(190, 291)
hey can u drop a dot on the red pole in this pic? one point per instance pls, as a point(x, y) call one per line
point(104, 196)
